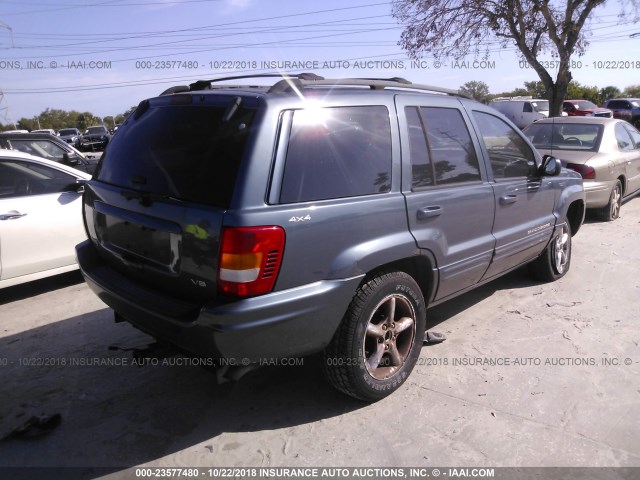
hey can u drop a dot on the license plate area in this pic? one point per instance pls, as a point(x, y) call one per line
point(138, 240)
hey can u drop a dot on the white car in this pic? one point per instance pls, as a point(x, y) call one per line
point(40, 217)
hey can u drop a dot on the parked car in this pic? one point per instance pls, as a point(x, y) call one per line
point(261, 223)
point(95, 138)
point(606, 152)
point(72, 136)
point(49, 131)
point(625, 108)
point(48, 147)
point(522, 111)
point(585, 108)
point(40, 217)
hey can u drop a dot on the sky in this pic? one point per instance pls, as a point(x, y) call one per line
point(105, 56)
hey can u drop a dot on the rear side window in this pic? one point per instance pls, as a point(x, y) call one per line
point(619, 104)
point(442, 151)
point(189, 152)
point(623, 138)
point(337, 152)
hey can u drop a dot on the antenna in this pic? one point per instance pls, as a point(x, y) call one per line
point(4, 25)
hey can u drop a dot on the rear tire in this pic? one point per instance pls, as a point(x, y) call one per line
point(379, 340)
point(611, 210)
point(555, 261)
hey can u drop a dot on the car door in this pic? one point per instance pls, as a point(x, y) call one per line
point(524, 201)
point(632, 160)
point(40, 223)
point(449, 203)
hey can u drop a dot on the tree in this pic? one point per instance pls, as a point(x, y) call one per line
point(609, 92)
point(632, 91)
point(476, 90)
point(457, 28)
point(536, 89)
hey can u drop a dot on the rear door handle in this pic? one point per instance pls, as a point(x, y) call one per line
point(507, 199)
point(12, 215)
point(428, 212)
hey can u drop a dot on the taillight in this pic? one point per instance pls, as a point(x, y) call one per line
point(249, 260)
point(587, 172)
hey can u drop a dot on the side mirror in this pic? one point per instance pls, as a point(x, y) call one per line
point(550, 167)
point(67, 160)
point(77, 186)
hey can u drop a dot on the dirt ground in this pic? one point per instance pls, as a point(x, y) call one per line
point(530, 375)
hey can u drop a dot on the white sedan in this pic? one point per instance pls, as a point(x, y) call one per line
point(40, 217)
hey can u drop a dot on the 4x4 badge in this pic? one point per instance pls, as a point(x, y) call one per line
point(306, 218)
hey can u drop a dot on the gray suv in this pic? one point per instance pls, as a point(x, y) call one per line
point(252, 224)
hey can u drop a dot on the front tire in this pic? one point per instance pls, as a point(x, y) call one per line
point(555, 261)
point(379, 340)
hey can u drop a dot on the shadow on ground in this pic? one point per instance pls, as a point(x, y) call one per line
point(119, 415)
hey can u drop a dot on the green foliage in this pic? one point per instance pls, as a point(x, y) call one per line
point(476, 90)
point(632, 91)
point(57, 119)
point(575, 91)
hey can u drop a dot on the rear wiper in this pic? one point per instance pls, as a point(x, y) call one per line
point(231, 109)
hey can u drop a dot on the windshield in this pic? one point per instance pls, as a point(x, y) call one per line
point(96, 130)
point(67, 131)
point(187, 152)
point(585, 105)
point(565, 136)
point(540, 105)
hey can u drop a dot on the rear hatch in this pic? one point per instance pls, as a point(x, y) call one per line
point(155, 207)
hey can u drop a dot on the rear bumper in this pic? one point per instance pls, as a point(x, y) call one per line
point(282, 324)
point(597, 194)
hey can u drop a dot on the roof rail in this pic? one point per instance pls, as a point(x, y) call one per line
point(208, 84)
point(372, 83)
point(292, 81)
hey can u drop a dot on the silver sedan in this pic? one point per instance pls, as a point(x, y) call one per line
point(605, 151)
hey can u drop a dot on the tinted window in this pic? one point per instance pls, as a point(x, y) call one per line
point(527, 107)
point(619, 104)
point(509, 154)
point(421, 167)
point(337, 152)
point(452, 152)
point(20, 179)
point(183, 151)
point(623, 138)
point(445, 154)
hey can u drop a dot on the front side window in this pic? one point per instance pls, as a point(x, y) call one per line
point(336, 153)
point(22, 179)
point(509, 154)
point(441, 148)
point(39, 148)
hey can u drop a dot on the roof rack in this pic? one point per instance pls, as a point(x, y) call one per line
point(298, 81)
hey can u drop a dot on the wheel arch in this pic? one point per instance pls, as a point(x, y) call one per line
point(422, 268)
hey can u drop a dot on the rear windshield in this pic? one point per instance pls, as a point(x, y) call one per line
point(181, 151)
point(565, 136)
